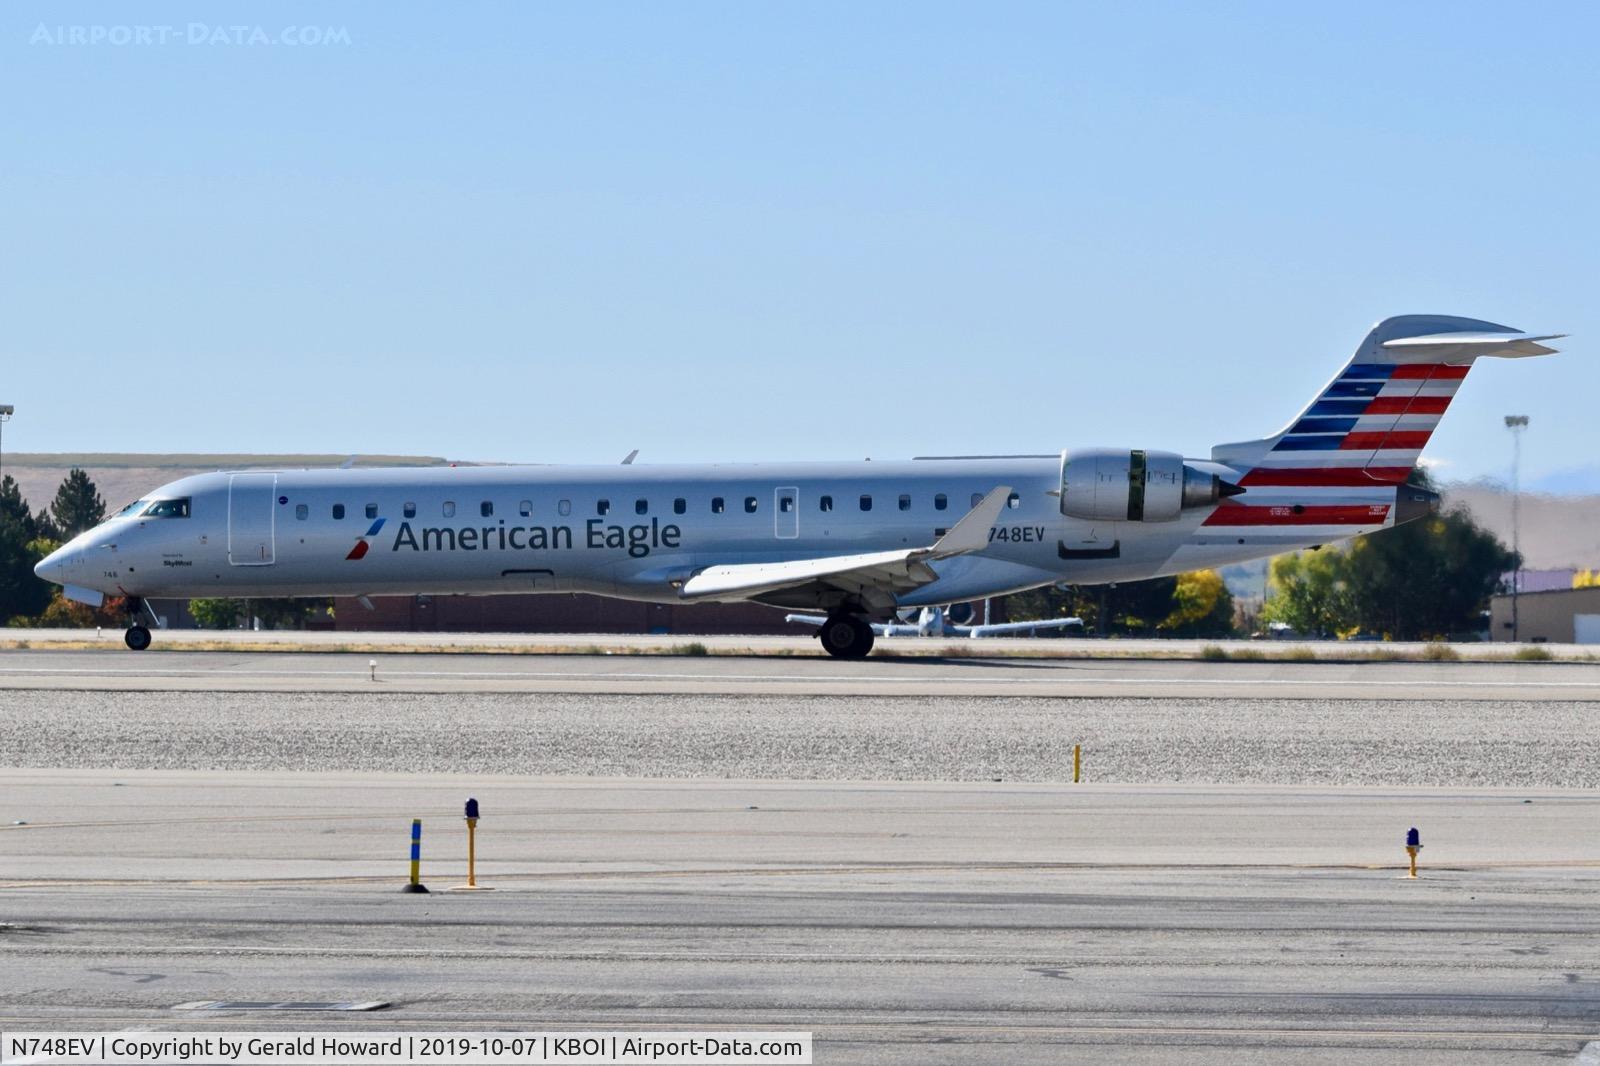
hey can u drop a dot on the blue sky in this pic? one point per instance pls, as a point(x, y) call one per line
point(754, 231)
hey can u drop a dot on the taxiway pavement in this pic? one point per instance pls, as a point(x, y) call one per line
point(901, 922)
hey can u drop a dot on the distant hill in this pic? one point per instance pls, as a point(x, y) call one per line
point(1557, 531)
point(123, 477)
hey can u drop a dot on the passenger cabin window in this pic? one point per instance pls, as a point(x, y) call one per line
point(749, 505)
point(716, 505)
point(1013, 501)
point(641, 506)
point(338, 510)
point(680, 506)
point(866, 503)
point(372, 510)
point(486, 509)
point(905, 503)
point(786, 504)
point(564, 507)
point(602, 507)
point(409, 510)
point(301, 511)
point(525, 508)
point(940, 502)
point(825, 503)
point(977, 498)
point(449, 508)
point(169, 509)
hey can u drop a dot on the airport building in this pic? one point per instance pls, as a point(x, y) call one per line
point(1555, 616)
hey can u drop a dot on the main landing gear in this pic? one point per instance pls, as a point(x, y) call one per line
point(137, 637)
point(846, 636)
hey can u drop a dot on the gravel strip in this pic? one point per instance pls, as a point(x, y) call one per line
point(1333, 742)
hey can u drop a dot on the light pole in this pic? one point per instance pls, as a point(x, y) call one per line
point(6, 411)
point(1516, 424)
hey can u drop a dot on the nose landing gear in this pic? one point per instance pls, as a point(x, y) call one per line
point(846, 636)
point(137, 637)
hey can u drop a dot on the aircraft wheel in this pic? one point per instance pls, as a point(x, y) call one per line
point(846, 637)
point(137, 638)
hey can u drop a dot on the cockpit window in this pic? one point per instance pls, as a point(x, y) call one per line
point(168, 509)
point(133, 508)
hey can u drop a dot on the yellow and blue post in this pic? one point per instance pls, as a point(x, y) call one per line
point(415, 884)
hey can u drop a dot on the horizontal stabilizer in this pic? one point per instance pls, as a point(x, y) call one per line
point(1460, 347)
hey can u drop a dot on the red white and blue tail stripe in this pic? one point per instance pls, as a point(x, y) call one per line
point(1333, 472)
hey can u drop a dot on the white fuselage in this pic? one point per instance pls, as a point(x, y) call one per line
point(629, 531)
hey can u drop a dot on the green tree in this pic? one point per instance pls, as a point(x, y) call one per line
point(1202, 606)
point(1429, 578)
point(1311, 593)
point(1126, 607)
point(77, 505)
point(21, 593)
point(216, 613)
point(275, 613)
point(13, 508)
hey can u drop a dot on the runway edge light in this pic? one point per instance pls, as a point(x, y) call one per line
point(1413, 845)
point(472, 852)
point(415, 884)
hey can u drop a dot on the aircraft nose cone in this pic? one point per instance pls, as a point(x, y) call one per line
point(52, 567)
point(58, 564)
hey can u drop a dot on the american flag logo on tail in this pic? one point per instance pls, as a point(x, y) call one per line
point(1335, 470)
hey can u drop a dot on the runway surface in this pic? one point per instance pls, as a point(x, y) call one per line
point(115, 669)
point(802, 643)
point(889, 853)
point(900, 922)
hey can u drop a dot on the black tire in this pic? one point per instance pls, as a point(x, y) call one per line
point(137, 638)
point(846, 637)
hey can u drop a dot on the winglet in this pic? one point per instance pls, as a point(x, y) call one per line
point(971, 534)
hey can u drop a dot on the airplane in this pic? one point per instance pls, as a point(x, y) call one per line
point(935, 622)
point(855, 541)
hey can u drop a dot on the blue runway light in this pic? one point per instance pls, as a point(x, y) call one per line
point(1413, 838)
point(472, 809)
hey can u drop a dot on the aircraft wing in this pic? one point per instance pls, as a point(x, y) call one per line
point(1000, 629)
point(890, 571)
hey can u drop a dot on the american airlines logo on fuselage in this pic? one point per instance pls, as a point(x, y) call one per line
point(637, 540)
point(362, 543)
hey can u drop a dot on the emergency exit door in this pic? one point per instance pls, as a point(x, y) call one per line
point(786, 513)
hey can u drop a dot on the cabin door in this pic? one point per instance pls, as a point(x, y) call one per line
point(252, 510)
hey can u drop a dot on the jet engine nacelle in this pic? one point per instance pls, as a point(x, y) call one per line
point(1135, 485)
